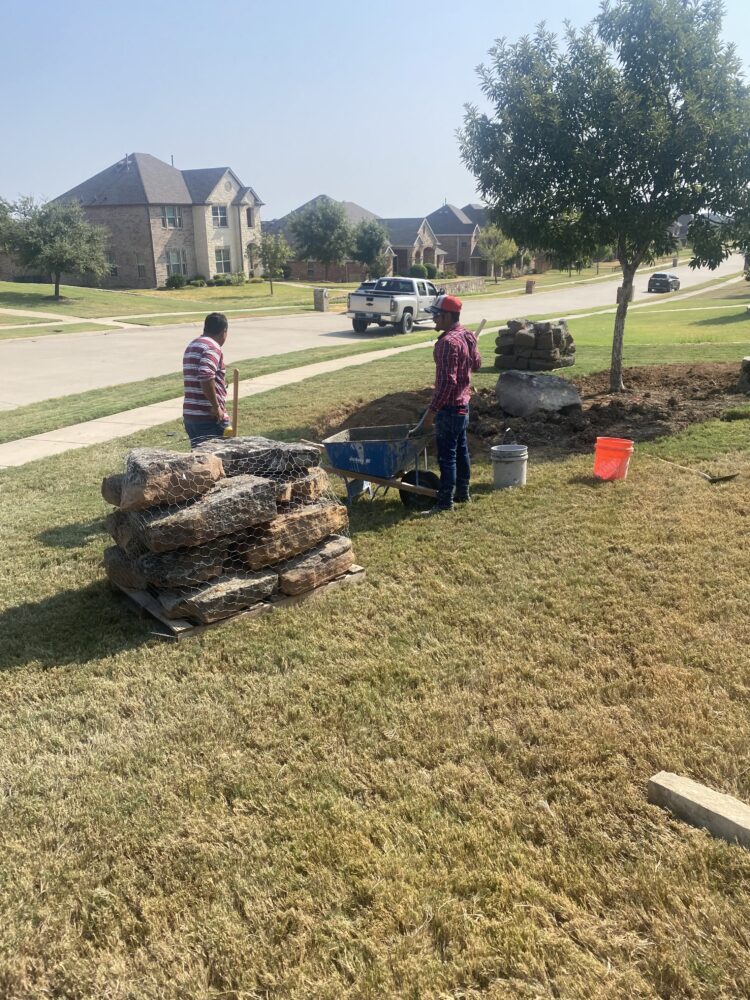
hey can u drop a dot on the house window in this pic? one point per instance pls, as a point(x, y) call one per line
point(464, 244)
point(110, 258)
point(219, 216)
point(176, 262)
point(140, 264)
point(311, 269)
point(223, 260)
point(171, 217)
point(251, 218)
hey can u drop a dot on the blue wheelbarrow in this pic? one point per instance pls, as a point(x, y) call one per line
point(369, 458)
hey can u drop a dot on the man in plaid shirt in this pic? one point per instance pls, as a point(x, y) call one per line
point(456, 357)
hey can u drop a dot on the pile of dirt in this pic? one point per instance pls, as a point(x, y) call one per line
point(660, 400)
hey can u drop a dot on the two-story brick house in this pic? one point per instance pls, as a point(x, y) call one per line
point(458, 233)
point(165, 221)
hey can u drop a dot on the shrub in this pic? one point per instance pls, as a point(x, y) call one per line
point(197, 282)
point(255, 281)
point(417, 271)
point(175, 281)
point(198, 277)
point(431, 270)
point(449, 272)
point(238, 278)
point(210, 282)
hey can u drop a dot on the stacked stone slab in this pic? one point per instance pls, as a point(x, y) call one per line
point(536, 347)
point(214, 531)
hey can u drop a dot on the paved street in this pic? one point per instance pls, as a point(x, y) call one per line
point(38, 369)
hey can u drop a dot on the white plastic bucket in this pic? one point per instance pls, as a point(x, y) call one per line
point(509, 465)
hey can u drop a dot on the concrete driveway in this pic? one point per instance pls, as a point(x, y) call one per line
point(43, 368)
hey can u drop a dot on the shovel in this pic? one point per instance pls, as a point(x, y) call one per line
point(697, 472)
point(231, 431)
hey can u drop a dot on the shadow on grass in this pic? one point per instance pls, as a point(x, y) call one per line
point(743, 317)
point(74, 626)
point(72, 536)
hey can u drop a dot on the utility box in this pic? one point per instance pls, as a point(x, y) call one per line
point(320, 299)
point(674, 262)
point(530, 287)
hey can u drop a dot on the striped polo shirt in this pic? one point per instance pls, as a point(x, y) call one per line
point(203, 359)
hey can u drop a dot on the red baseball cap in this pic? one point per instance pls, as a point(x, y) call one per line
point(446, 303)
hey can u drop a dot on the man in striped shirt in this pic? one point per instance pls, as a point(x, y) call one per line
point(456, 357)
point(204, 406)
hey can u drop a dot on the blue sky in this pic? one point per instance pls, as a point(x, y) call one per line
point(359, 101)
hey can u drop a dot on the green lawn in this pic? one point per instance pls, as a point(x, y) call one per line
point(93, 302)
point(7, 319)
point(431, 785)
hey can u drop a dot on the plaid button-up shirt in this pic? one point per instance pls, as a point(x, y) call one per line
point(456, 357)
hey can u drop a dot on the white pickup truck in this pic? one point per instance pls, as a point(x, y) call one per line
point(399, 301)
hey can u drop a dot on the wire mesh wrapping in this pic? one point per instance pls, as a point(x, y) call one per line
point(214, 531)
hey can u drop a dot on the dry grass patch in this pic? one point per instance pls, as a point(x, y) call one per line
point(432, 785)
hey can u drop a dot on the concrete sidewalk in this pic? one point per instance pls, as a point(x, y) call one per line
point(30, 449)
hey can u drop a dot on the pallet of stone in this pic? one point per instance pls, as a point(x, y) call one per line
point(175, 629)
point(541, 346)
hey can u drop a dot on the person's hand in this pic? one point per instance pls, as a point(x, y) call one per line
point(429, 421)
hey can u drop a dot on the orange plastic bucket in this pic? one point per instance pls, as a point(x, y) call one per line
point(611, 457)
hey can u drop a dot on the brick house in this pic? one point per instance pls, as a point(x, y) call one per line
point(165, 221)
point(314, 270)
point(413, 242)
point(457, 233)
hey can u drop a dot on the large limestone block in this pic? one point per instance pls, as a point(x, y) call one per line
point(156, 478)
point(123, 570)
point(261, 456)
point(326, 561)
point(525, 340)
point(522, 393)
point(289, 534)
point(185, 567)
point(124, 529)
point(304, 489)
point(230, 506)
point(112, 488)
point(220, 599)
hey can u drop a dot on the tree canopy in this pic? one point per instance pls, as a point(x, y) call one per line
point(55, 239)
point(369, 241)
point(643, 116)
point(273, 252)
point(496, 247)
point(322, 232)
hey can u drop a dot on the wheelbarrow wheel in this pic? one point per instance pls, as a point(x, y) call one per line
point(416, 501)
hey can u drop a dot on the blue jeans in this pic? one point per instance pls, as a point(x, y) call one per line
point(452, 454)
point(202, 430)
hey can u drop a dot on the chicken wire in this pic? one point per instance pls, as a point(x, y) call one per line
point(214, 531)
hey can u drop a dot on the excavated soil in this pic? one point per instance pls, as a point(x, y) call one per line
point(660, 400)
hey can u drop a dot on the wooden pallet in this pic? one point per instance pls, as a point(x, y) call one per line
point(174, 629)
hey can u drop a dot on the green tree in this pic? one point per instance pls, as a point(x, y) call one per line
point(252, 252)
point(56, 238)
point(322, 232)
point(497, 248)
point(642, 117)
point(273, 252)
point(369, 241)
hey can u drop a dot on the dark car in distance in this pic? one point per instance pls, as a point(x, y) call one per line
point(663, 281)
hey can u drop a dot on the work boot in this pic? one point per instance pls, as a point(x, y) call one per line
point(465, 499)
point(435, 510)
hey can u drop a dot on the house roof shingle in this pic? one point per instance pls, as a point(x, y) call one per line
point(402, 232)
point(142, 179)
point(450, 221)
point(476, 212)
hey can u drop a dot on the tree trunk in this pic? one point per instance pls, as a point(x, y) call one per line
point(615, 372)
point(270, 281)
point(57, 284)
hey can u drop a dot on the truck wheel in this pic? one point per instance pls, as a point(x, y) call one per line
point(407, 322)
point(359, 325)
